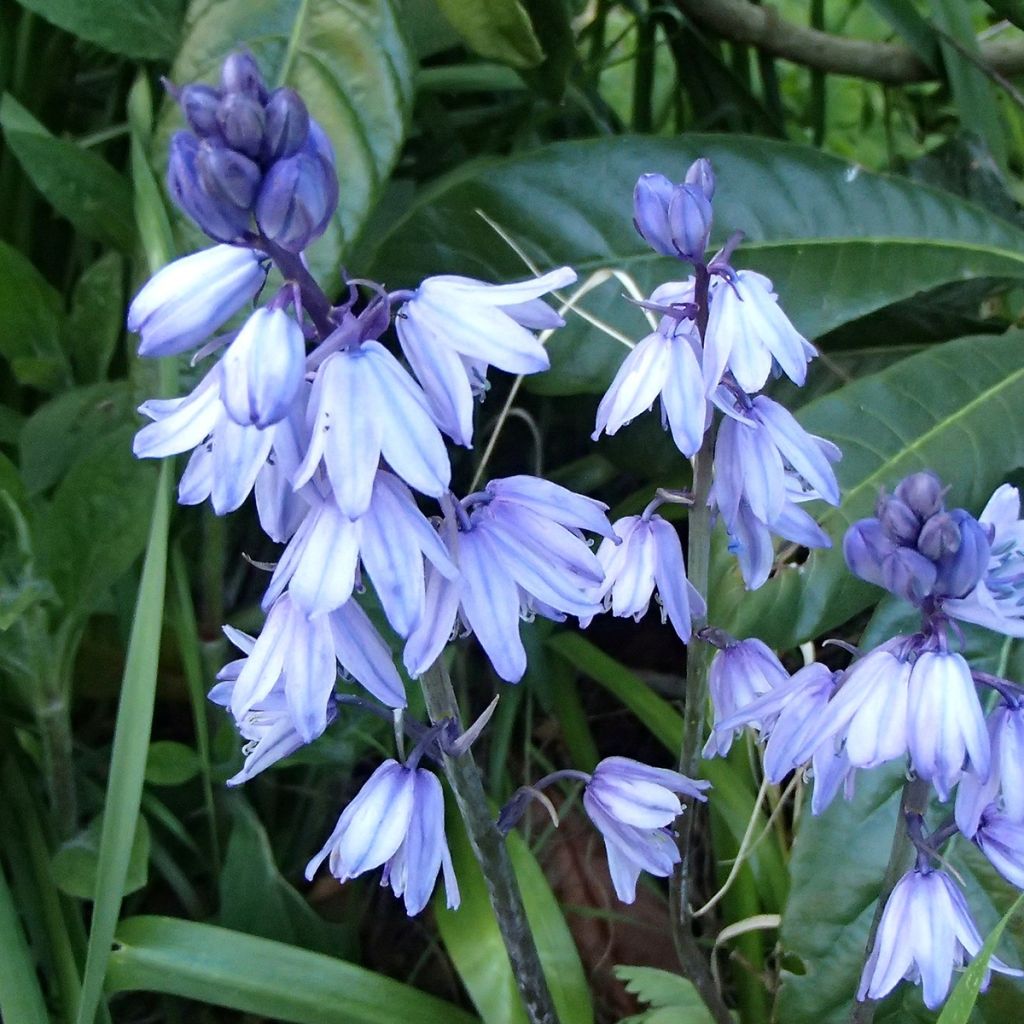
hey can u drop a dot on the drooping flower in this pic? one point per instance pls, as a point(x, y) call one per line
point(514, 558)
point(740, 672)
point(924, 933)
point(364, 405)
point(181, 305)
point(633, 806)
point(945, 723)
point(395, 821)
point(1004, 784)
point(1002, 842)
point(452, 328)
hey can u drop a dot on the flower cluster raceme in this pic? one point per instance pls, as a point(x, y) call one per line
point(310, 406)
point(913, 699)
point(718, 338)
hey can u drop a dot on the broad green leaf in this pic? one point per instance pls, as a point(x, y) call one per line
point(499, 29)
point(147, 30)
point(838, 241)
point(75, 862)
point(671, 998)
point(956, 408)
point(30, 326)
point(349, 61)
point(271, 979)
point(78, 184)
point(169, 763)
point(471, 936)
point(94, 324)
point(960, 1004)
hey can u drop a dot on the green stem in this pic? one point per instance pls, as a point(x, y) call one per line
point(914, 800)
point(54, 718)
point(489, 848)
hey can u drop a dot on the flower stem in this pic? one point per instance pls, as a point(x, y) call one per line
point(489, 847)
point(314, 300)
point(914, 800)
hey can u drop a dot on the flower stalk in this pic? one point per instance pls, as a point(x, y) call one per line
point(489, 848)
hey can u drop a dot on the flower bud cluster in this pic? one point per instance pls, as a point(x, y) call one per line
point(254, 162)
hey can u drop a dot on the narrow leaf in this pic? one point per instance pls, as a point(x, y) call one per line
point(21, 999)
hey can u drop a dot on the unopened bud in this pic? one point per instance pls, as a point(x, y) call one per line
point(199, 105)
point(241, 120)
point(923, 492)
point(939, 536)
point(287, 125)
point(960, 570)
point(674, 220)
point(701, 175)
point(909, 575)
point(227, 176)
point(241, 74)
point(296, 201)
point(223, 221)
point(866, 546)
point(689, 218)
point(898, 520)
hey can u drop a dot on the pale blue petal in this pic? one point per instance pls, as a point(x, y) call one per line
point(364, 655)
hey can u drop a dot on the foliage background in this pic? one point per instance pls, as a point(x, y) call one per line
point(477, 137)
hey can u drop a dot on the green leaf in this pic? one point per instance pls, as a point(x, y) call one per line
point(471, 936)
point(499, 29)
point(350, 63)
point(146, 30)
point(552, 22)
point(78, 184)
point(960, 1004)
point(170, 764)
point(76, 861)
point(913, 27)
point(30, 326)
point(1011, 10)
point(93, 326)
point(838, 241)
point(21, 999)
point(270, 979)
point(20, 587)
point(956, 408)
point(662, 990)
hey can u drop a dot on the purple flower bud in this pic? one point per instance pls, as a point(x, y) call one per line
point(689, 218)
point(241, 74)
point(651, 199)
point(701, 174)
point(241, 121)
point(674, 220)
point(898, 520)
point(228, 177)
point(908, 574)
point(961, 569)
point(224, 222)
point(199, 105)
point(287, 126)
point(923, 492)
point(865, 547)
point(940, 536)
point(296, 201)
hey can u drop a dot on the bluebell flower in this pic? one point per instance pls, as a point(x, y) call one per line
point(832, 772)
point(675, 220)
point(945, 723)
point(263, 368)
point(181, 305)
point(748, 335)
point(320, 565)
point(633, 806)
point(395, 821)
point(452, 328)
point(924, 933)
point(997, 602)
point(299, 657)
point(1003, 786)
point(516, 559)
point(664, 364)
point(647, 554)
point(364, 405)
point(281, 509)
point(1001, 839)
point(740, 672)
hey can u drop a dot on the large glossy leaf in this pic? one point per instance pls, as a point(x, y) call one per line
point(349, 61)
point(839, 242)
point(499, 29)
point(957, 408)
point(271, 979)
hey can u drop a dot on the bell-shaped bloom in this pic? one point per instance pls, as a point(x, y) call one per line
point(869, 713)
point(748, 334)
point(650, 555)
point(832, 772)
point(281, 509)
point(181, 305)
point(363, 406)
point(299, 657)
point(515, 558)
point(759, 452)
point(945, 723)
point(740, 672)
point(924, 933)
point(1002, 841)
point(268, 727)
point(997, 602)
point(633, 806)
point(320, 565)
point(551, 501)
point(674, 220)
point(1004, 784)
point(395, 821)
point(665, 364)
point(453, 328)
point(263, 368)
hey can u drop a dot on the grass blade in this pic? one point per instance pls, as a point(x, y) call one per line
point(20, 996)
